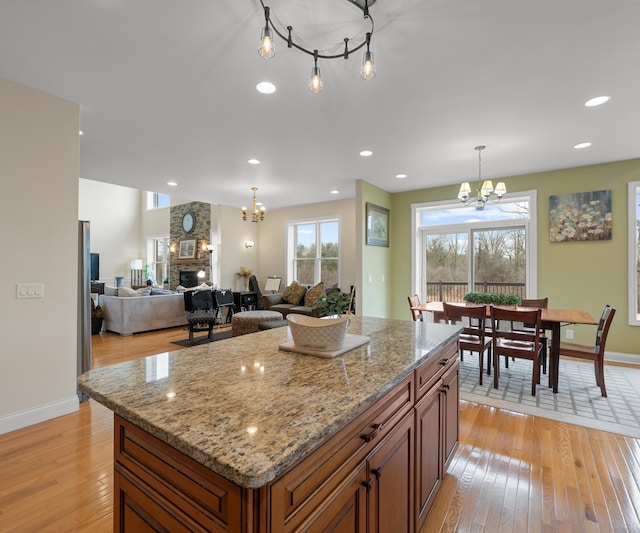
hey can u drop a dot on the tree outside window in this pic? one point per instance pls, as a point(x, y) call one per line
point(316, 246)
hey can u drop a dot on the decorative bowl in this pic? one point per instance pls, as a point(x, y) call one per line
point(321, 334)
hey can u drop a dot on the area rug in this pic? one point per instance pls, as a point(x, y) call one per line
point(578, 400)
point(203, 339)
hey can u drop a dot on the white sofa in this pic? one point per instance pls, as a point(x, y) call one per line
point(134, 314)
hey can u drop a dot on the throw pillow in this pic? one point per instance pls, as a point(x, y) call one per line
point(126, 292)
point(315, 292)
point(294, 293)
point(143, 291)
point(110, 291)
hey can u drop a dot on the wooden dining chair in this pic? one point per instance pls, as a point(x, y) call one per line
point(473, 337)
point(519, 344)
point(538, 303)
point(593, 352)
point(416, 314)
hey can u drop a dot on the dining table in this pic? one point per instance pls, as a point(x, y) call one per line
point(550, 320)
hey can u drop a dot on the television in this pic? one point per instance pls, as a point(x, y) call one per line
point(95, 267)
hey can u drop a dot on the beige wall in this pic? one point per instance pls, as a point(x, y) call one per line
point(39, 154)
point(116, 226)
point(579, 275)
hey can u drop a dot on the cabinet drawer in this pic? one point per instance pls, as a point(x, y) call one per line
point(430, 372)
point(207, 498)
point(309, 483)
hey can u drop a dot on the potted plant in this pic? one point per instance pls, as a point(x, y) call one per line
point(97, 316)
point(492, 298)
point(165, 283)
point(244, 273)
point(335, 303)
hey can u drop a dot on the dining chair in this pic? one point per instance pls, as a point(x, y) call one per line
point(473, 337)
point(415, 313)
point(593, 352)
point(520, 344)
point(538, 303)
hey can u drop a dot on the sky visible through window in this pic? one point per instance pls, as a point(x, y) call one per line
point(468, 214)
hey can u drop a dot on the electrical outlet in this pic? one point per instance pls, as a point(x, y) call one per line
point(568, 333)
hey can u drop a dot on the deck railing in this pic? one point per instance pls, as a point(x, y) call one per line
point(453, 291)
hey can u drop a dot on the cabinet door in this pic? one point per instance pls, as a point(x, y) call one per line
point(451, 424)
point(345, 510)
point(391, 474)
point(429, 440)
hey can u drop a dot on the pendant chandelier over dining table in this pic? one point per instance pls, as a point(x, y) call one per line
point(486, 190)
point(267, 46)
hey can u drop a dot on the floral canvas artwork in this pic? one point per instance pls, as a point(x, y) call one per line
point(582, 216)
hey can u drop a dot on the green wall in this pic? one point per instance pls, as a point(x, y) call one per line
point(376, 260)
point(575, 275)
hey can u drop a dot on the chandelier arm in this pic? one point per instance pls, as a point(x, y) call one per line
point(290, 43)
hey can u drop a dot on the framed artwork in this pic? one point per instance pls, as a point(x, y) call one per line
point(580, 216)
point(377, 225)
point(187, 249)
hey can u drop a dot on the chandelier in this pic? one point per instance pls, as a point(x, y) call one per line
point(267, 46)
point(256, 214)
point(485, 192)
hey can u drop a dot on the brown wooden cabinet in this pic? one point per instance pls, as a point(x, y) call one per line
point(377, 474)
point(437, 408)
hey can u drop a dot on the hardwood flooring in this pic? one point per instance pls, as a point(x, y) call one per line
point(512, 472)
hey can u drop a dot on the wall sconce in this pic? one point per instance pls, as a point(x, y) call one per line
point(204, 246)
point(249, 244)
point(201, 274)
point(211, 248)
point(172, 248)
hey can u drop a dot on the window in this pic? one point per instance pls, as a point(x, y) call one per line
point(634, 253)
point(314, 251)
point(158, 249)
point(459, 249)
point(156, 200)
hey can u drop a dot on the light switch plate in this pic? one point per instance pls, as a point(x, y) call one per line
point(29, 290)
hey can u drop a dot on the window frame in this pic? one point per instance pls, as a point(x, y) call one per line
point(152, 200)
point(419, 232)
point(292, 242)
point(633, 252)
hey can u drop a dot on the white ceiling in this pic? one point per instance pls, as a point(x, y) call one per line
point(167, 91)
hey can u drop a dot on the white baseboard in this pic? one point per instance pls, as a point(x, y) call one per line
point(617, 357)
point(38, 414)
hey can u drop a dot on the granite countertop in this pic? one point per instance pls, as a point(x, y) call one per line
point(246, 409)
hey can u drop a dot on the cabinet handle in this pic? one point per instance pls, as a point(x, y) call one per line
point(444, 388)
point(367, 484)
point(443, 362)
point(377, 472)
point(368, 437)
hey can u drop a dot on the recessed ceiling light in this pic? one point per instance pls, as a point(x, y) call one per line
point(172, 184)
point(253, 162)
point(401, 176)
point(580, 146)
point(266, 87)
point(335, 191)
point(366, 153)
point(598, 100)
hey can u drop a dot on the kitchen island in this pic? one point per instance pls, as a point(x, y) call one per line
point(237, 435)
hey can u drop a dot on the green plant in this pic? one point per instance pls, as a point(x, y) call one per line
point(335, 303)
point(492, 298)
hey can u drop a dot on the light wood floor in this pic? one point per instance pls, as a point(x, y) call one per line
point(512, 472)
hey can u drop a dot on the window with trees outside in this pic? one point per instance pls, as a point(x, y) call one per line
point(158, 252)
point(634, 253)
point(314, 251)
point(461, 249)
